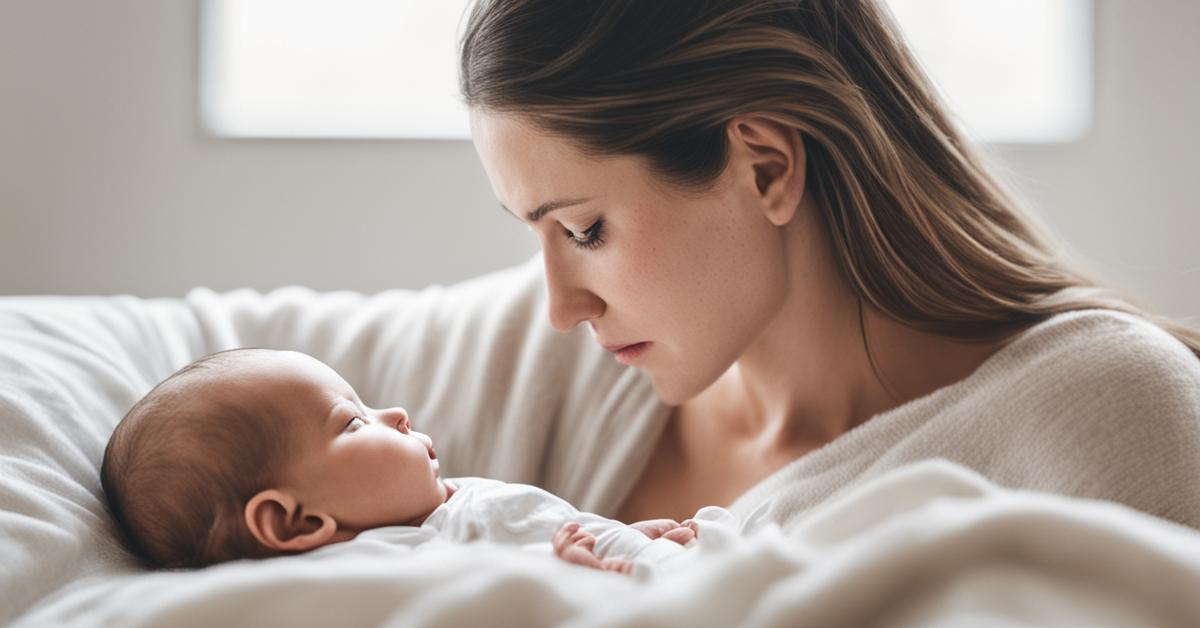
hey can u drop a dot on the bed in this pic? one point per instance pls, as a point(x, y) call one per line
point(930, 544)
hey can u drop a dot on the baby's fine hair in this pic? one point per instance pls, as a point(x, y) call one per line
point(182, 463)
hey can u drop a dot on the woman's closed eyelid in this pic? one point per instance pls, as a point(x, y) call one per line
point(593, 236)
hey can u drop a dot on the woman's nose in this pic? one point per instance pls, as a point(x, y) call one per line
point(569, 304)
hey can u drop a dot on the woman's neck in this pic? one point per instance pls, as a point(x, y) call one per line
point(809, 376)
point(916, 363)
point(826, 376)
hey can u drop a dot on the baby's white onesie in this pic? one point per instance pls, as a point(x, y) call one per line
point(504, 512)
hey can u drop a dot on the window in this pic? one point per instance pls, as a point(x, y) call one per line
point(331, 68)
point(1011, 70)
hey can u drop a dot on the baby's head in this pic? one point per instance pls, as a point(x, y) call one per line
point(251, 453)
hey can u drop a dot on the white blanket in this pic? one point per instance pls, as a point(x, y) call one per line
point(928, 545)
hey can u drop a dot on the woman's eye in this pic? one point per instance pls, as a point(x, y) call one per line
point(592, 238)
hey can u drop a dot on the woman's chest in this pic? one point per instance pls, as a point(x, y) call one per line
point(694, 465)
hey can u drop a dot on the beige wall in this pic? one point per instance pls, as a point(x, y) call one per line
point(108, 185)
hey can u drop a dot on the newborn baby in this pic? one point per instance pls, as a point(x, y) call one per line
point(251, 453)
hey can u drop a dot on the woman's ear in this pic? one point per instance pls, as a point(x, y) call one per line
point(773, 154)
point(278, 522)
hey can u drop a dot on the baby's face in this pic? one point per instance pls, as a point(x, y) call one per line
point(365, 467)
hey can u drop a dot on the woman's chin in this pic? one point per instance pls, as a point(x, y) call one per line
point(673, 392)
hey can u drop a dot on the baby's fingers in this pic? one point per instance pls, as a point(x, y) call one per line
point(680, 535)
point(579, 556)
point(562, 538)
point(655, 528)
point(619, 565)
point(583, 539)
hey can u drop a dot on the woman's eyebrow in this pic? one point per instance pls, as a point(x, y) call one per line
point(547, 207)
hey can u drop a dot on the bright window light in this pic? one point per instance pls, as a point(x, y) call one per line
point(331, 68)
point(1013, 71)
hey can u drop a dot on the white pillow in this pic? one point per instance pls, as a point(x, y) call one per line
point(70, 367)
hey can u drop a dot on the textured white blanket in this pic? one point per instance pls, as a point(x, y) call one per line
point(480, 370)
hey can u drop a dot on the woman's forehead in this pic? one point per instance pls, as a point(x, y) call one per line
point(512, 140)
point(528, 168)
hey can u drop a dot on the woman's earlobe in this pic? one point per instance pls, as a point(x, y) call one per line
point(277, 521)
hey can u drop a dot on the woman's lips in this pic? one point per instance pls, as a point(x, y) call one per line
point(631, 353)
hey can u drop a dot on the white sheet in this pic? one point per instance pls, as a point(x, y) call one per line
point(932, 545)
point(927, 545)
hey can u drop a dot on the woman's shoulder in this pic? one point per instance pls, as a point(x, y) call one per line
point(1097, 347)
point(1092, 374)
point(1099, 404)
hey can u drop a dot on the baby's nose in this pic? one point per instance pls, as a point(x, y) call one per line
point(396, 416)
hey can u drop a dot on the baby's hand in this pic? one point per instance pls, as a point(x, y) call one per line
point(576, 546)
point(681, 533)
point(569, 535)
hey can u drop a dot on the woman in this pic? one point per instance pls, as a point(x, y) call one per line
point(766, 197)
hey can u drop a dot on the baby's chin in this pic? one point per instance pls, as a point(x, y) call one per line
point(445, 488)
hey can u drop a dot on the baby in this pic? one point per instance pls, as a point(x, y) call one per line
point(252, 453)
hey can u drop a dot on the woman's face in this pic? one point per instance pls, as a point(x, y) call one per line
point(697, 276)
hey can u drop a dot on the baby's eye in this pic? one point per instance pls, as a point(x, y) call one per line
point(351, 424)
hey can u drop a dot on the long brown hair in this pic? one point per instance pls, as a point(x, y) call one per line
point(922, 230)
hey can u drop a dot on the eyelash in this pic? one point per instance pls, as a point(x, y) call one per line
point(351, 421)
point(594, 233)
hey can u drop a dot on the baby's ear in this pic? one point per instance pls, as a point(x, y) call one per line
point(278, 522)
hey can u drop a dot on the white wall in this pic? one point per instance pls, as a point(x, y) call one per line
point(109, 185)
